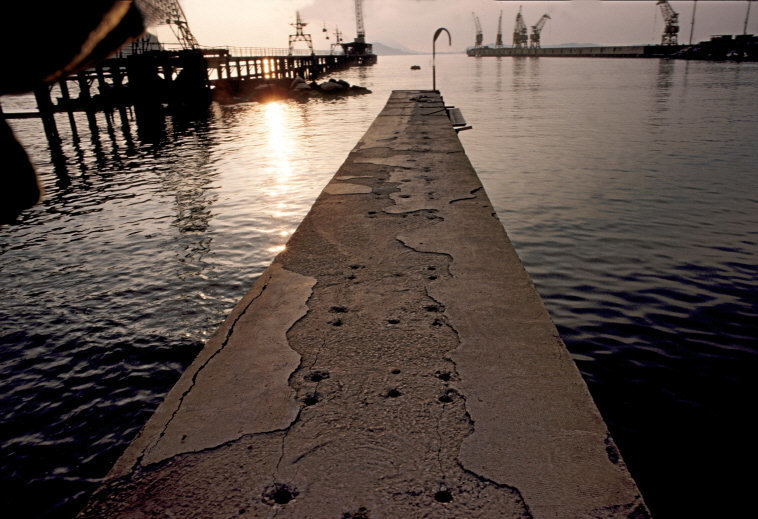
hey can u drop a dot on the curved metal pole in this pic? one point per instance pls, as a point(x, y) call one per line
point(692, 26)
point(434, 54)
point(747, 15)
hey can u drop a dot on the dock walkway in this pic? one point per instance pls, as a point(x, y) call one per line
point(394, 361)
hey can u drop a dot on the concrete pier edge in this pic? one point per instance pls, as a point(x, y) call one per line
point(395, 360)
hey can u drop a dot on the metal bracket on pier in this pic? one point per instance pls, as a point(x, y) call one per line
point(456, 118)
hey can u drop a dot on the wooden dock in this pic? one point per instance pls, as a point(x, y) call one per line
point(182, 81)
point(394, 360)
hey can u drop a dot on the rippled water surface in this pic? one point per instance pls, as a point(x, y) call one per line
point(627, 186)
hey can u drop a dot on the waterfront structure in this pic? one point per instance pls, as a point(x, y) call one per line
point(299, 25)
point(718, 48)
point(395, 360)
point(182, 81)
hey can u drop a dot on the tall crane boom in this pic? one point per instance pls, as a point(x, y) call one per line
point(169, 12)
point(360, 31)
point(520, 37)
point(479, 34)
point(499, 39)
point(534, 38)
point(671, 18)
point(359, 47)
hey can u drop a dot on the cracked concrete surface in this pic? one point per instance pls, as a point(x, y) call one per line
point(247, 361)
point(394, 361)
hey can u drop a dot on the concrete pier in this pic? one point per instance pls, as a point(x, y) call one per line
point(615, 51)
point(394, 361)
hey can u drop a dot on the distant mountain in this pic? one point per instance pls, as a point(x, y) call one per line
point(381, 49)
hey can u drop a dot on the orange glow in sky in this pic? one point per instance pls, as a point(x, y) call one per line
point(411, 23)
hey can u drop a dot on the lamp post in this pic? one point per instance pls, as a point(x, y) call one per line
point(434, 65)
point(747, 15)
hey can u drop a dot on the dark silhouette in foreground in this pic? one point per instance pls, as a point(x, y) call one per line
point(65, 37)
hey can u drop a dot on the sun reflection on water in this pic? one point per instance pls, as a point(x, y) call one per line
point(280, 147)
point(276, 249)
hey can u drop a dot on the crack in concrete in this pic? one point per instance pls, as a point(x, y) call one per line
point(515, 490)
point(634, 510)
point(358, 149)
point(401, 240)
point(411, 211)
point(467, 414)
point(309, 451)
point(223, 345)
point(297, 418)
point(472, 429)
point(318, 352)
point(281, 451)
point(466, 197)
point(439, 444)
point(287, 429)
point(299, 364)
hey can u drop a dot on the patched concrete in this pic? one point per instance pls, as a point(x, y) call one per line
point(346, 188)
point(394, 361)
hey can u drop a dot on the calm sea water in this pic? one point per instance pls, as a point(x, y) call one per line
point(628, 187)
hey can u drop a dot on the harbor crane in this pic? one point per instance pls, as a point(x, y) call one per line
point(360, 31)
point(520, 37)
point(499, 39)
point(358, 47)
point(169, 12)
point(534, 38)
point(671, 18)
point(337, 40)
point(299, 35)
point(479, 34)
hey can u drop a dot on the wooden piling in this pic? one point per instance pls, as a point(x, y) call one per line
point(69, 108)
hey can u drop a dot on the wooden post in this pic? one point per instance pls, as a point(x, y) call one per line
point(46, 110)
point(145, 90)
point(118, 91)
point(106, 96)
point(84, 94)
point(85, 98)
point(168, 72)
point(103, 87)
point(67, 105)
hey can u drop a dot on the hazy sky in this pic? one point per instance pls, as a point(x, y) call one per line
point(265, 23)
